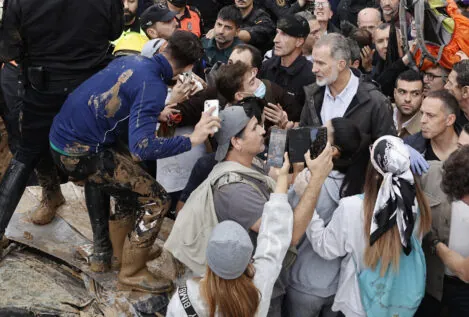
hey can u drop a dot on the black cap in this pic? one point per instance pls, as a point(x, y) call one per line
point(294, 25)
point(155, 13)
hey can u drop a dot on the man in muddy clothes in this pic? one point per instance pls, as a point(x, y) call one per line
point(130, 91)
point(58, 45)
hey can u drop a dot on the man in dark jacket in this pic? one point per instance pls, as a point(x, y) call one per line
point(338, 92)
point(289, 68)
point(280, 8)
point(257, 27)
point(43, 35)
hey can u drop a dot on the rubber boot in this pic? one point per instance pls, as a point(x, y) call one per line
point(118, 230)
point(98, 204)
point(12, 188)
point(51, 201)
point(134, 274)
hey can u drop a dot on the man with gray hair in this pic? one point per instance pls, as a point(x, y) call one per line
point(338, 92)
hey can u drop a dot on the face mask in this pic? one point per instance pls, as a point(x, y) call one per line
point(178, 3)
point(260, 91)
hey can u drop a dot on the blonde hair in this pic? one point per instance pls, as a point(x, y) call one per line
point(388, 247)
point(230, 298)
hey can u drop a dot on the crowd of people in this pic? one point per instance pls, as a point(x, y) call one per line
point(113, 95)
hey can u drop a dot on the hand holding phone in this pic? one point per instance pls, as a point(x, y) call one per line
point(213, 103)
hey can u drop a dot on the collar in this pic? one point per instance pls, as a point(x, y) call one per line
point(294, 68)
point(165, 67)
point(212, 44)
point(186, 15)
point(412, 126)
point(348, 92)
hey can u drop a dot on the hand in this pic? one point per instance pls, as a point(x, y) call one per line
point(321, 166)
point(282, 175)
point(180, 92)
point(418, 164)
point(205, 127)
point(210, 34)
point(167, 112)
point(301, 182)
point(200, 80)
point(462, 55)
point(274, 113)
point(366, 56)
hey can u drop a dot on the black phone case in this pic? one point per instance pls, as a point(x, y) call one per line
point(299, 142)
point(318, 141)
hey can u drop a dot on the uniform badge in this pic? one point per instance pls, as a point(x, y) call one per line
point(189, 26)
point(281, 3)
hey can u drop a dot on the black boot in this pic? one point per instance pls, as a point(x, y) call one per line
point(98, 204)
point(11, 189)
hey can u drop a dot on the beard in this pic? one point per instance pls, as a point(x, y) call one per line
point(328, 80)
point(129, 17)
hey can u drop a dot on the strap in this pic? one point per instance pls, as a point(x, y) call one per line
point(186, 303)
point(233, 177)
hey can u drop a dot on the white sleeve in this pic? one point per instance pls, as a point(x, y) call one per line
point(329, 242)
point(273, 242)
point(175, 308)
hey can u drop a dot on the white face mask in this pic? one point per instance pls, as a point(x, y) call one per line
point(260, 91)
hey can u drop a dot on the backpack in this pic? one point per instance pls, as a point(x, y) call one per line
point(397, 293)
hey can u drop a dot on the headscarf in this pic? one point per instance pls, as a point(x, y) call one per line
point(396, 197)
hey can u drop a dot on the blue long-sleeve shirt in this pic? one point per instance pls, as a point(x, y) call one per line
point(131, 90)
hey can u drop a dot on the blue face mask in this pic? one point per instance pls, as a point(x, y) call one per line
point(260, 91)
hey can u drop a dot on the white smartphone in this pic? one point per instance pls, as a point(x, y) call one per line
point(210, 104)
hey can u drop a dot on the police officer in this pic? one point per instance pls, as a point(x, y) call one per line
point(188, 17)
point(257, 27)
point(42, 37)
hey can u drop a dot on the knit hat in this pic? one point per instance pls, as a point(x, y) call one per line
point(294, 25)
point(229, 250)
point(233, 121)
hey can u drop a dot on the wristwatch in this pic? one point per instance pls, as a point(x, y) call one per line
point(433, 246)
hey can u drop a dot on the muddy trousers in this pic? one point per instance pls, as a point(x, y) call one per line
point(37, 113)
point(136, 191)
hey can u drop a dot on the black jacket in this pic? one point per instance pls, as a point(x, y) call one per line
point(261, 28)
point(370, 109)
point(63, 36)
point(293, 78)
point(278, 8)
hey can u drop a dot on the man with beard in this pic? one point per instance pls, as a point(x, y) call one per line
point(338, 92)
point(257, 27)
point(434, 78)
point(223, 38)
point(188, 17)
point(132, 29)
point(158, 22)
point(408, 97)
point(458, 86)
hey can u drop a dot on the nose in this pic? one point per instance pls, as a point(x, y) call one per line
point(126, 4)
point(315, 68)
point(276, 38)
point(262, 130)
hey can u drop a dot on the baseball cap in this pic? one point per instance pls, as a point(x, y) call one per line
point(155, 13)
point(229, 250)
point(152, 47)
point(293, 25)
point(233, 120)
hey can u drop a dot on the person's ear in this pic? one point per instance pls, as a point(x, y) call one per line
point(236, 143)
point(451, 119)
point(299, 42)
point(238, 96)
point(465, 92)
point(342, 65)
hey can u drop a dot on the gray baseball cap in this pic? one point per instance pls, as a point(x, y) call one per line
point(233, 120)
point(229, 250)
point(152, 47)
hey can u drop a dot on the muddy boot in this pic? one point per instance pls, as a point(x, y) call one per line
point(45, 213)
point(11, 189)
point(134, 274)
point(118, 230)
point(3, 243)
point(98, 205)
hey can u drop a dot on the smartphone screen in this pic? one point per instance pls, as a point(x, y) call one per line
point(299, 142)
point(212, 103)
point(277, 144)
point(318, 141)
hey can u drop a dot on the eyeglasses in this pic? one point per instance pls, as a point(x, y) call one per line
point(431, 76)
point(321, 5)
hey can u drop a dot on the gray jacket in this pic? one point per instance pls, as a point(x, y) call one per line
point(310, 273)
point(370, 109)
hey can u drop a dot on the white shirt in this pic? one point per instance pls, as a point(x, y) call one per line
point(336, 107)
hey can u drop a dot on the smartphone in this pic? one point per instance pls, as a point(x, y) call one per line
point(318, 141)
point(277, 144)
point(299, 142)
point(210, 104)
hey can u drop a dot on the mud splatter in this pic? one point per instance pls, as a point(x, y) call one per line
point(110, 98)
point(76, 148)
point(27, 235)
point(70, 163)
point(143, 144)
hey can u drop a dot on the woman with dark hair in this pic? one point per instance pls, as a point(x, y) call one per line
point(313, 280)
point(378, 234)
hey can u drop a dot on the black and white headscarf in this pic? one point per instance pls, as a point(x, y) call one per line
point(396, 197)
